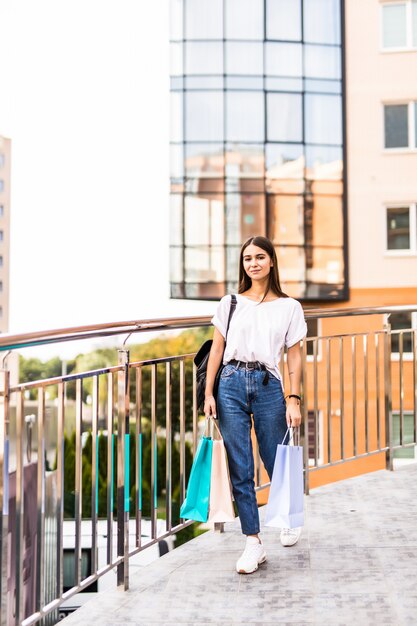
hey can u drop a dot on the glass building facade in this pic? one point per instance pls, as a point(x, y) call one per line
point(257, 143)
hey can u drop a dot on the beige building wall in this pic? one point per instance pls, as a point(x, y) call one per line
point(5, 157)
point(376, 177)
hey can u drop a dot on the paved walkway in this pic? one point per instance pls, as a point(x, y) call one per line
point(356, 563)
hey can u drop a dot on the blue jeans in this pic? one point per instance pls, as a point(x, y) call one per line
point(240, 395)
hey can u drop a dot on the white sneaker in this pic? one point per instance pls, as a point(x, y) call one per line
point(253, 555)
point(290, 536)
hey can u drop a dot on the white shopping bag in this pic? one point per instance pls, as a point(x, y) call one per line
point(285, 508)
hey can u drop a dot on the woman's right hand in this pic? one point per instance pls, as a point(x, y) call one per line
point(210, 407)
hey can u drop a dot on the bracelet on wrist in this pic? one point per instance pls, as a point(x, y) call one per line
point(293, 395)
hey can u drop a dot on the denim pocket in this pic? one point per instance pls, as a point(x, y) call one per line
point(227, 371)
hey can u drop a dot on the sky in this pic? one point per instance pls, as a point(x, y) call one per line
point(85, 100)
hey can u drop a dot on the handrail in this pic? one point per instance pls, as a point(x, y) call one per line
point(75, 333)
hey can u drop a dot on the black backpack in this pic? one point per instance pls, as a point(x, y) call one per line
point(201, 360)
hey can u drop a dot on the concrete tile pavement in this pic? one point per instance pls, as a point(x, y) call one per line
point(356, 563)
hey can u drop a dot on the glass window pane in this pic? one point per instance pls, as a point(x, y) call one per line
point(204, 19)
point(324, 216)
point(244, 58)
point(322, 21)
point(175, 222)
point(283, 84)
point(204, 116)
point(244, 161)
point(322, 61)
point(283, 59)
point(323, 119)
point(283, 19)
point(291, 265)
point(245, 216)
point(285, 168)
point(401, 321)
point(394, 33)
point(244, 116)
point(203, 57)
point(324, 162)
point(176, 111)
point(244, 19)
point(204, 264)
point(232, 262)
point(176, 8)
point(325, 265)
point(204, 160)
point(204, 220)
point(284, 117)
point(176, 274)
point(286, 219)
point(176, 59)
point(396, 125)
point(414, 10)
point(177, 161)
point(398, 228)
point(323, 86)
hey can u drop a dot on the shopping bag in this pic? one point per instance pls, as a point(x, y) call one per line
point(285, 508)
point(221, 505)
point(196, 504)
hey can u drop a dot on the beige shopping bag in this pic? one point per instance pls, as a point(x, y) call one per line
point(221, 505)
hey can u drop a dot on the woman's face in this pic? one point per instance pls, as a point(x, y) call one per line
point(256, 262)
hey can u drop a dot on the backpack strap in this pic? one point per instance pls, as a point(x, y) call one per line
point(232, 310)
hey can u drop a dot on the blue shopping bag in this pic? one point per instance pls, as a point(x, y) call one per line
point(196, 504)
point(285, 508)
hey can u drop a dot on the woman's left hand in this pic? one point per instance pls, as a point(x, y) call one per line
point(293, 414)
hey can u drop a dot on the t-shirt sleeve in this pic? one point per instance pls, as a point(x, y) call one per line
point(297, 328)
point(219, 320)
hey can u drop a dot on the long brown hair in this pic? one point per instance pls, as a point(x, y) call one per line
point(245, 282)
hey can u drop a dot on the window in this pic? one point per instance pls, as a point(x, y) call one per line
point(1, 160)
point(402, 228)
point(69, 569)
point(1, 210)
point(1, 185)
point(399, 25)
point(1, 235)
point(397, 126)
point(402, 322)
point(1, 286)
point(1, 261)
point(408, 435)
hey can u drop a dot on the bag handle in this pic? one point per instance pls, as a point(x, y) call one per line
point(211, 429)
point(294, 434)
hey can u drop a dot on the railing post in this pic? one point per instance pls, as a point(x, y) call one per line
point(123, 478)
point(388, 395)
point(4, 491)
point(305, 416)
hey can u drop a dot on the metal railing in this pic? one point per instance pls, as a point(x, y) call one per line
point(144, 413)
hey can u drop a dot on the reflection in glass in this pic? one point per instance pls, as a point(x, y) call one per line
point(244, 58)
point(244, 82)
point(283, 19)
point(175, 58)
point(323, 119)
point(323, 86)
point(244, 161)
point(291, 264)
point(204, 82)
point(204, 220)
point(286, 219)
point(396, 125)
point(177, 161)
point(176, 111)
point(327, 266)
point(283, 59)
point(322, 61)
point(283, 84)
point(244, 116)
point(285, 168)
point(232, 262)
point(175, 223)
point(398, 228)
point(245, 216)
point(325, 219)
point(204, 116)
point(204, 19)
point(203, 57)
point(204, 160)
point(244, 19)
point(176, 265)
point(284, 117)
point(394, 28)
point(324, 162)
point(322, 21)
point(204, 264)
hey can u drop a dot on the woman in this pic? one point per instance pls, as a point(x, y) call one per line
point(251, 384)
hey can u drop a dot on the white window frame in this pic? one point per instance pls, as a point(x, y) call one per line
point(412, 250)
point(412, 114)
point(407, 356)
point(408, 27)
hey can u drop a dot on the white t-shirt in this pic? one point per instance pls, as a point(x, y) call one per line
point(258, 332)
